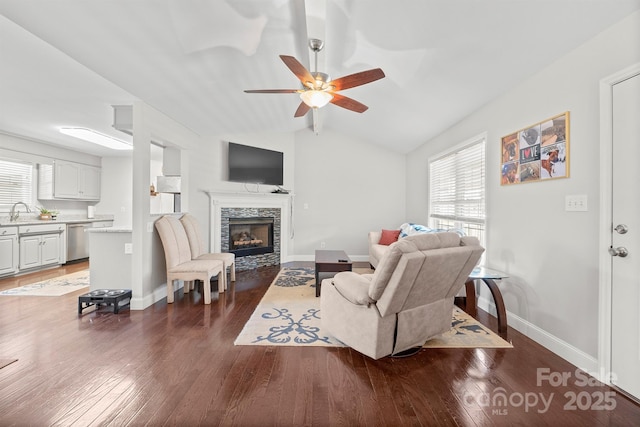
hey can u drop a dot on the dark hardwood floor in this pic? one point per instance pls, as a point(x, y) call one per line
point(177, 365)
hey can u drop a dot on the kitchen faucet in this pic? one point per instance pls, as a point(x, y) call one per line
point(15, 215)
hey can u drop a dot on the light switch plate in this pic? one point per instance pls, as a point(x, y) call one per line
point(128, 248)
point(576, 203)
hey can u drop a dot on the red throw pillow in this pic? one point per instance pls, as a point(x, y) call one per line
point(389, 236)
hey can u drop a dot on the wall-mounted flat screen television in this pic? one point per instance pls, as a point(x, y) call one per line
point(255, 165)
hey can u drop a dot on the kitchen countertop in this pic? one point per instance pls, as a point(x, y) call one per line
point(68, 219)
point(110, 230)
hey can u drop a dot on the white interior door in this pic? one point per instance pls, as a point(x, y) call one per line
point(625, 237)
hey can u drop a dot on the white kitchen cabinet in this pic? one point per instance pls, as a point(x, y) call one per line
point(40, 245)
point(39, 250)
point(30, 252)
point(76, 181)
point(9, 253)
point(90, 182)
point(68, 180)
point(50, 251)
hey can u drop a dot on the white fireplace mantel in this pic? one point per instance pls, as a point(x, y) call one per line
point(221, 200)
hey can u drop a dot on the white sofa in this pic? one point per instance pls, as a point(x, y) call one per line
point(377, 251)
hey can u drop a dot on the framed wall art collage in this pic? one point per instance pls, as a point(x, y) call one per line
point(536, 153)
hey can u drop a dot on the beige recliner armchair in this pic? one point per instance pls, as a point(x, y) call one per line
point(407, 301)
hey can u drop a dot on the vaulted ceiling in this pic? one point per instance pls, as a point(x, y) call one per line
point(66, 62)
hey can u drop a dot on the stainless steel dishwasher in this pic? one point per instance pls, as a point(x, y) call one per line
point(77, 241)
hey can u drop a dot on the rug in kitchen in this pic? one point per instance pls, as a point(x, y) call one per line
point(53, 287)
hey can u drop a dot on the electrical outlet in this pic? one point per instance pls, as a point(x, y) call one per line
point(576, 203)
point(149, 227)
point(322, 245)
point(128, 248)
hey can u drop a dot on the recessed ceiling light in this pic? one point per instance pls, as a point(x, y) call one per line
point(97, 138)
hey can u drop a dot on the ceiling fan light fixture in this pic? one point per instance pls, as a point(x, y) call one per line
point(321, 78)
point(316, 98)
point(318, 89)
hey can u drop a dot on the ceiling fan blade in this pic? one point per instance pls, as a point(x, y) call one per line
point(273, 91)
point(357, 79)
point(348, 103)
point(298, 69)
point(302, 110)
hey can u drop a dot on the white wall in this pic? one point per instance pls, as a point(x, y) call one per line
point(550, 254)
point(148, 272)
point(349, 187)
point(208, 170)
point(116, 193)
point(212, 158)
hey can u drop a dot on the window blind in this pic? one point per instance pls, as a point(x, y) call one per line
point(15, 182)
point(456, 186)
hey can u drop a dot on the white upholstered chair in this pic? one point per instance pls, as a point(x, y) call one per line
point(409, 298)
point(198, 251)
point(180, 266)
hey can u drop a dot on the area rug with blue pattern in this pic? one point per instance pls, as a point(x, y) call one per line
point(289, 315)
point(54, 287)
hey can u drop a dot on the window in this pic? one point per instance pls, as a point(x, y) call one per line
point(456, 189)
point(15, 182)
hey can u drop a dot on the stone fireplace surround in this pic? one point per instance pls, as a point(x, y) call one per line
point(250, 262)
point(248, 205)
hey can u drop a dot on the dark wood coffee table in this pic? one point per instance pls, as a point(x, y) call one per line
point(330, 262)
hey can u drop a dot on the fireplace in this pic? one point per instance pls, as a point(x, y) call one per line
point(227, 206)
point(251, 236)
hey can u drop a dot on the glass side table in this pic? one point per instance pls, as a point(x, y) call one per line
point(488, 276)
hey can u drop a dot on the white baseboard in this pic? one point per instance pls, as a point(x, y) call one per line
point(139, 303)
point(563, 349)
point(158, 294)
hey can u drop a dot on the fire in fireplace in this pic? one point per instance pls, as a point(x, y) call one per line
point(250, 236)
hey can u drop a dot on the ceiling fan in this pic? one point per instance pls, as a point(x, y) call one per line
point(318, 90)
